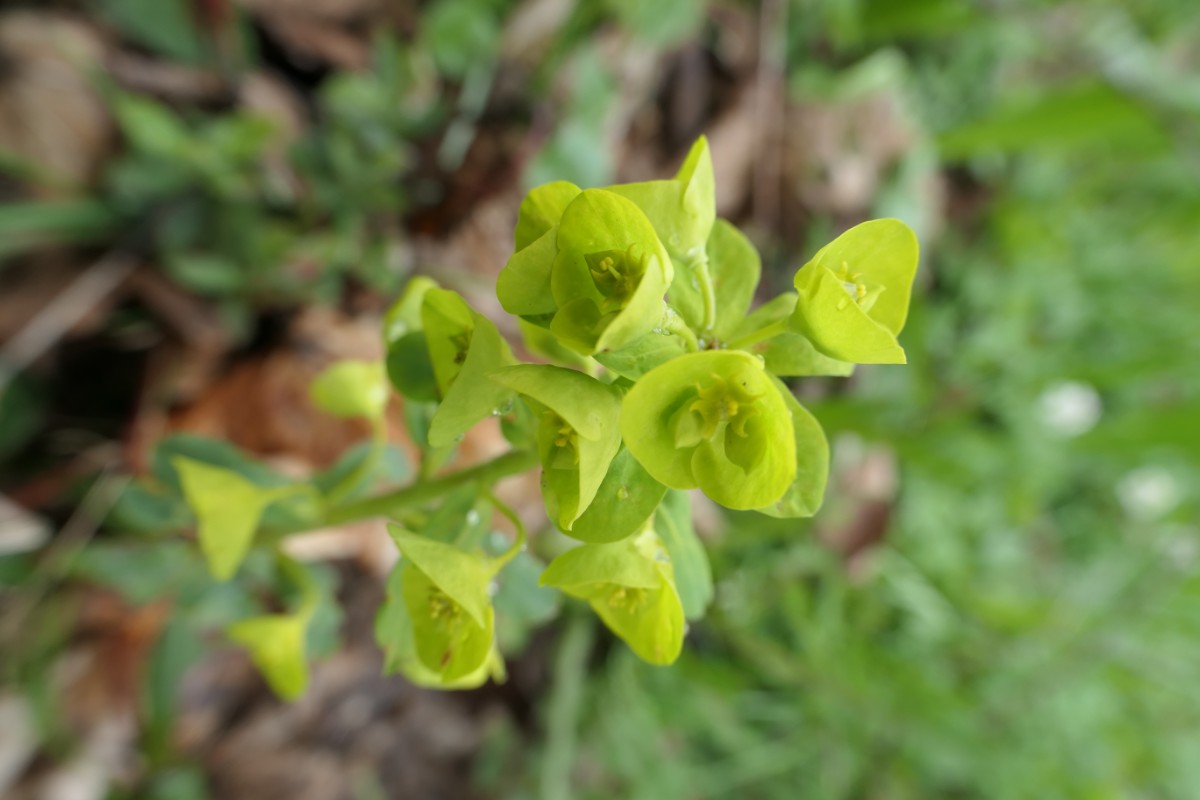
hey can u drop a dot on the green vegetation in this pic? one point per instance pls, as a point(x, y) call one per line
point(999, 597)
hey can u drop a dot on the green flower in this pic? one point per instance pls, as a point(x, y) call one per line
point(854, 293)
point(578, 433)
point(630, 586)
point(609, 276)
point(713, 420)
point(445, 592)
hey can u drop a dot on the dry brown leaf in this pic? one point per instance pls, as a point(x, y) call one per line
point(50, 111)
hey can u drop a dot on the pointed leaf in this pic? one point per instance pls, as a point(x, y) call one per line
point(227, 508)
point(277, 647)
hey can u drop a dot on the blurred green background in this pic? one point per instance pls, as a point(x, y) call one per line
point(1001, 598)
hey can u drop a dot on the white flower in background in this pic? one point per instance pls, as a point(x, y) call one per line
point(1149, 493)
point(1069, 408)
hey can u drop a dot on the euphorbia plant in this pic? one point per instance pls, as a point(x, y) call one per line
point(661, 379)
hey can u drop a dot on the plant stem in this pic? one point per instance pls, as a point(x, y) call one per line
point(489, 472)
point(706, 293)
point(673, 323)
point(760, 335)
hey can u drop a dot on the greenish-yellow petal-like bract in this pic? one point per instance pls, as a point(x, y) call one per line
point(854, 293)
point(578, 433)
point(713, 420)
point(446, 593)
point(609, 276)
point(463, 347)
point(631, 587)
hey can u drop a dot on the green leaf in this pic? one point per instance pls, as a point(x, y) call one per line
point(352, 389)
point(410, 369)
point(541, 210)
point(648, 352)
point(786, 353)
point(1071, 118)
point(630, 589)
point(153, 128)
point(624, 502)
point(166, 27)
point(610, 274)
point(689, 560)
point(854, 293)
point(578, 433)
point(460, 34)
point(278, 643)
point(277, 647)
point(227, 508)
point(712, 420)
point(24, 226)
point(807, 492)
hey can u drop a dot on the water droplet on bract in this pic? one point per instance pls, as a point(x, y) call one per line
point(493, 587)
point(472, 517)
point(623, 493)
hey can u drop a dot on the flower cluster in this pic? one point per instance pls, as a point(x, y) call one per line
point(666, 379)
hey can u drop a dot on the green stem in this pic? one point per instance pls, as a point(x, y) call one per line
point(522, 535)
point(704, 279)
point(673, 323)
point(511, 463)
point(760, 335)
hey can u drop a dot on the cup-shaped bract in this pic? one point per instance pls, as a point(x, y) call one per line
point(609, 275)
point(445, 591)
point(578, 433)
point(855, 291)
point(394, 631)
point(713, 420)
point(463, 347)
point(630, 586)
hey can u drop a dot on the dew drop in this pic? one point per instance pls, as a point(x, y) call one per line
point(472, 517)
point(623, 493)
point(492, 588)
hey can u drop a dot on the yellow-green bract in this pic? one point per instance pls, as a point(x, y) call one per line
point(854, 293)
point(716, 421)
point(445, 591)
point(463, 347)
point(629, 584)
point(578, 433)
